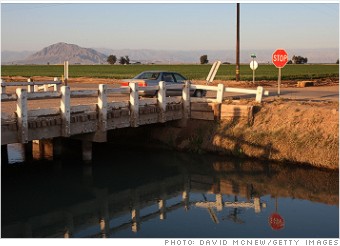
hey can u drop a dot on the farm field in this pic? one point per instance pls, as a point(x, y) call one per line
point(193, 72)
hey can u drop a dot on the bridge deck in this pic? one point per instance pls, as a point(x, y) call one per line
point(28, 116)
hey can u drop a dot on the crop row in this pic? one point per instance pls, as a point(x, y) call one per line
point(194, 72)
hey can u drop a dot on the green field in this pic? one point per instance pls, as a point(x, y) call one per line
point(193, 72)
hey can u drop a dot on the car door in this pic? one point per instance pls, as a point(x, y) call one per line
point(180, 80)
point(169, 79)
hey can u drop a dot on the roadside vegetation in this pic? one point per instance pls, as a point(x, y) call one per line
point(193, 72)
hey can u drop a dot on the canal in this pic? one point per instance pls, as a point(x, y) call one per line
point(148, 193)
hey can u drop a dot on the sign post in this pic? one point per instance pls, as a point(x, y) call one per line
point(253, 66)
point(279, 59)
point(275, 220)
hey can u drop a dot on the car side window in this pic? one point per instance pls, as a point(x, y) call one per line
point(179, 78)
point(167, 77)
point(150, 76)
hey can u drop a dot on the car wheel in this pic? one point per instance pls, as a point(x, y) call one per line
point(198, 93)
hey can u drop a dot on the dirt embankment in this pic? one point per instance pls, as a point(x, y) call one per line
point(305, 133)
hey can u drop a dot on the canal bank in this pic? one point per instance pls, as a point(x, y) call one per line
point(284, 131)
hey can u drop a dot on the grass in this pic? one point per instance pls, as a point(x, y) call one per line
point(193, 72)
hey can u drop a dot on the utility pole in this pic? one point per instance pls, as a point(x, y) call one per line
point(237, 42)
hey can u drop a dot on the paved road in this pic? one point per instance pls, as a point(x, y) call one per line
point(320, 93)
point(308, 93)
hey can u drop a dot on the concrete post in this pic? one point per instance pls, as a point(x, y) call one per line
point(135, 216)
point(185, 198)
point(259, 93)
point(220, 93)
point(161, 98)
point(3, 87)
point(104, 219)
point(66, 72)
point(65, 111)
point(22, 115)
point(102, 106)
point(186, 100)
point(55, 86)
point(134, 104)
point(162, 209)
point(30, 87)
point(219, 202)
point(186, 105)
point(257, 204)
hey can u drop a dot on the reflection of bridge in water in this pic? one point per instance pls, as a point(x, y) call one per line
point(108, 213)
point(222, 186)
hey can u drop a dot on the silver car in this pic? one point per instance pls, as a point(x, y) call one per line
point(152, 78)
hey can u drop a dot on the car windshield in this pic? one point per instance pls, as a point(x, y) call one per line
point(148, 75)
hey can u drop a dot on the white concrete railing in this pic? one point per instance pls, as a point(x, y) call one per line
point(33, 86)
point(102, 107)
point(220, 89)
point(23, 114)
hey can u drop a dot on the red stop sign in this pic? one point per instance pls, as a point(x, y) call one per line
point(280, 58)
point(276, 222)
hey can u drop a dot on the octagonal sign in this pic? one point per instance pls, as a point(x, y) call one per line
point(280, 58)
point(276, 222)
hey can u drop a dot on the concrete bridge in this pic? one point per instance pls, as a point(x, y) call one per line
point(40, 115)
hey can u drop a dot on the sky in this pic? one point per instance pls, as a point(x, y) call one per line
point(169, 26)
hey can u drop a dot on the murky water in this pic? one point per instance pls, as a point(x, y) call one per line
point(155, 194)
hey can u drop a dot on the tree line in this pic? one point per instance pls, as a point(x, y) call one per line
point(112, 59)
point(295, 60)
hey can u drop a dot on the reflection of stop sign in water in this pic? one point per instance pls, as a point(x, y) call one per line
point(276, 222)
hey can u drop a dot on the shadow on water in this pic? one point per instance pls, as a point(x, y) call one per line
point(154, 193)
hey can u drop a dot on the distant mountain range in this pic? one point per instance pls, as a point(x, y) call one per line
point(60, 52)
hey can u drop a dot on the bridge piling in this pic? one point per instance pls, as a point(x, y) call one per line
point(28, 148)
point(57, 148)
point(4, 154)
point(87, 150)
point(42, 149)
